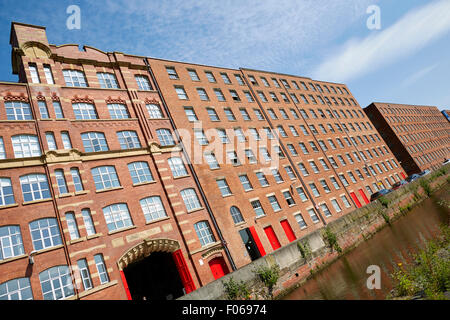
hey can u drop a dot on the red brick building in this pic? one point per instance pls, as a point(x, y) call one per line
point(117, 171)
point(419, 136)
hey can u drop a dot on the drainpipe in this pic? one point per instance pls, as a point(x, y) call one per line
point(191, 168)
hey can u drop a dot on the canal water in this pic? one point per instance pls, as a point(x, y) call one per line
point(346, 278)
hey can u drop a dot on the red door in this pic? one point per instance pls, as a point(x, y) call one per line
point(361, 192)
point(218, 267)
point(125, 285)
point(355, 199)
point(183, 271)
point(403, 175)
point(257, 241)
point(288, 230)
point(272, 237)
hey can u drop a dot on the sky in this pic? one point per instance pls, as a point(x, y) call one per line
point(383, 50)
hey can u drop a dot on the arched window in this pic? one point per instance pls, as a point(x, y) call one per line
point(74, 78)
point(117, 216)
point(153, 208)
point(177, 166)
point(190, 199)
point(6, 192)
point(18, 110)
point(45, 233)
point(165, 137)
point(34, 187)
point(107, 80)
point(56, 283)
point(154, 111)
point(16, 289)
point(72, 226)
point(94, 141)
point(128, 139)
point(11, 244)
point(204, 233)
point(25, 145)
point(140, 172)
point(84, 111)
point(118, 111)
point(88, 222)
point(105, 177)
point(236, 214)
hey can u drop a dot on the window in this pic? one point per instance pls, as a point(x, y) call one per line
point(210, 76)
point(177, 166)
point(17, 110)
point(193, 74)
point(2, 149)
point(245, 115)
point(275, 83)
point(282, 131)
point(343, 180)
point(202, 94)
point(107, 80)
point(239, 79)
point(117, 216)
point(274, 203)
point(265, 154)
point(234, 160)
point(303, 148)
point(248, 96)
point(61, 181)
point(257, 208)
point(181, 93)
point(74, 78)
point(128, 140)
point(258, 114)
point(94, 142)
point(314, 189)
point(143, 83)
point(292, 150)
point(204, 233)
point(262, 96)
point(212, 114)
point(140, 172)
point(287, 195)
point(236, 215)
point(229, 114)
point(88, 223)
point(154, 111)
point(153, 208)
point(72, 226)
point(85, 275)
point(51, 143)
point(234, 95)
point(34, 187)
point(262, 179)
point(325, 210)
point(190, 199)
point(293, 131)
point(239, 135)
point(45, 233)
point(101, 268)
point(301, 193)
point(313, 146)
point(16, 289)
point(6, 192)
point(34, 73)
point(245, 182)
point(255, 134)
point(325, 186)
point(225, 78)
point(172, 73)
point(294, 113)
point(84, 111)
point(58, 110)
point(56, 283)
point(165, 137)
point(277, 176)
point(118, 111)
point(105, 177)
point(11, 244)
point(335, 183)
point(289, 172)
point(223, 187)
point(211, 160)
point(219, 95)
point(314, 166)
point(324, 164)
point(201, 137)
point(313, 216)
point(345, 201)
point(43, 109)
point(301, 222)
point(250, 156)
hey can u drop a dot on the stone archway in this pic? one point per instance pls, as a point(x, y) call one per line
point(145, 248)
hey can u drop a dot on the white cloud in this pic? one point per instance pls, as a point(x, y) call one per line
point(418, 75)
point(411, 33)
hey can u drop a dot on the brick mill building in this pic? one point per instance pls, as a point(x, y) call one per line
point(133, 177)
point(419, 136)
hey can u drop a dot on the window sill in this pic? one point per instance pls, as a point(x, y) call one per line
point(77, 193)
point(260, 217)
point(36, 201)
point(65, 195)
point(110, 189)
point(122, 229)
point(49, 249)
point(6, 206)
point(77, 240)
point(240, 224)
point(157, 220)
point(93, 290)
point(195, 210)
point(93, 236)
point(13, 258)
point(143, 183)
point(181, 177)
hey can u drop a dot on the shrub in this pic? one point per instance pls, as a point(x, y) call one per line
point(236, 290)
point(332, 240)
point(384, 201)
point(305, 250)
point(269, 277)
point(426, 187)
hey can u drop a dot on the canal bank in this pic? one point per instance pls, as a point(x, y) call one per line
point(301, 259)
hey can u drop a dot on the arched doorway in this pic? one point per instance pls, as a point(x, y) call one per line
point(218, 267)
point(155, 270)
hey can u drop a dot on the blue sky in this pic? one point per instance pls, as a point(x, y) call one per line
point(406, 61)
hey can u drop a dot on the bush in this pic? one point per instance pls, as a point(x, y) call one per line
point(384, 202)
point(332, 240)
point(426, 187)
point(269, 277)
point(305, 250)
point(236, 290)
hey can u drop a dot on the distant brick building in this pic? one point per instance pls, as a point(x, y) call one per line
point(419, 136)
point(117, 171)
